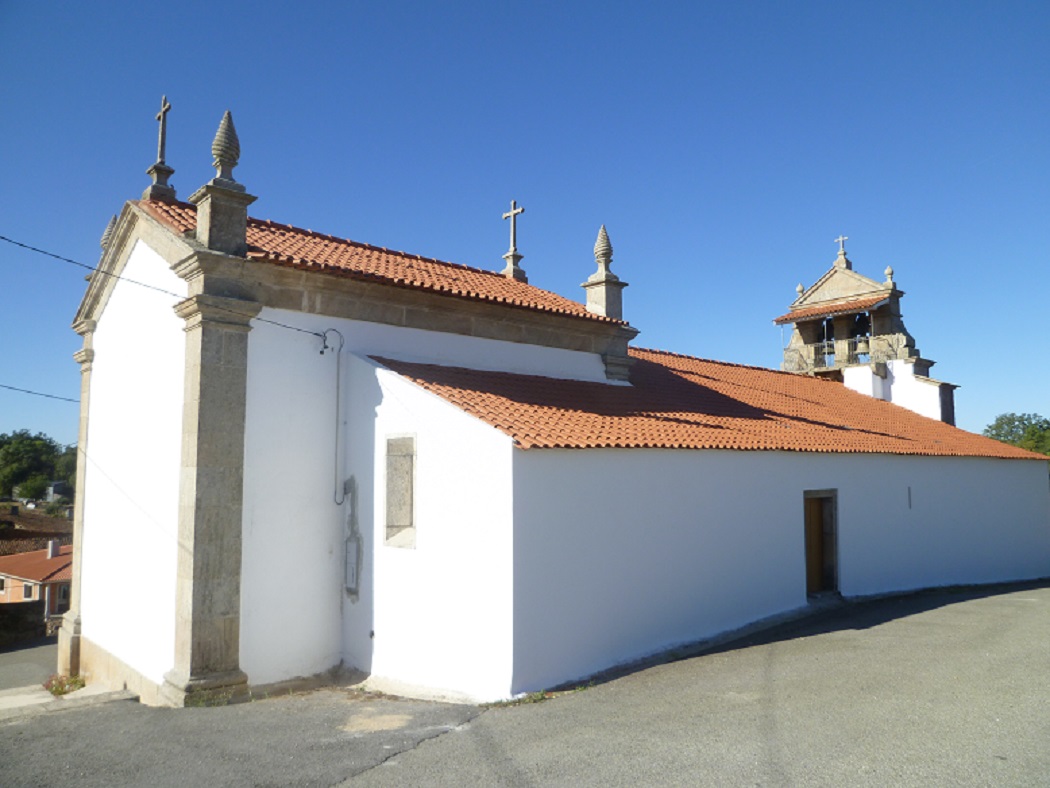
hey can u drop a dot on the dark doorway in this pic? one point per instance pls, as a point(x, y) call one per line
point(821, 542)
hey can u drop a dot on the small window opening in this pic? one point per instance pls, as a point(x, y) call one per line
point(400, 483)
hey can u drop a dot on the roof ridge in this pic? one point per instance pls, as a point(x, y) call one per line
point(342, 239)
point(501, 372)
point(376, 248)
point(719, 362)
point(287, 244)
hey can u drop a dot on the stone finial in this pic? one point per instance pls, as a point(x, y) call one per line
point(889, 275)
point(159, 170)
point(107, 234)
point(222, 203)
point(800, 289)
point(604, 288)
point(603, 249)
point(226, 150)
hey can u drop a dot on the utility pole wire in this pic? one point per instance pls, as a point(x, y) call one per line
point(39, 393)
point(96, 270)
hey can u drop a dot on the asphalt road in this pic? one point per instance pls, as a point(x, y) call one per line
point(949, 688)
point(28, 663)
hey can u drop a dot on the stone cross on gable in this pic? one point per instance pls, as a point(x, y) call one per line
point(841, 241)
point(512, 214)
point(162, 116)
point(160, 189)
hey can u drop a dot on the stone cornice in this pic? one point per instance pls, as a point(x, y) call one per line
point(230, 313)
point(84, 357)
point(336, 296)
point(85, 327)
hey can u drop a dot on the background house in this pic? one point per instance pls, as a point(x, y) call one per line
point(38, 575)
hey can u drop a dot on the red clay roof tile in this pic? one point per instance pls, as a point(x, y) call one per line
point(837, 308)
point(680, 402)
point(285, 245)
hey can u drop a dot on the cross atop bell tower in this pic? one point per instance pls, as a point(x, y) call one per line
point(842, 261)
point(160, 171)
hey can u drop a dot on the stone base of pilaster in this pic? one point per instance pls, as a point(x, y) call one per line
point(69, 645)
point(212, 689)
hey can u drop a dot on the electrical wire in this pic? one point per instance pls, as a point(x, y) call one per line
point(338, 495)
point(38, 393)
point(118, 277)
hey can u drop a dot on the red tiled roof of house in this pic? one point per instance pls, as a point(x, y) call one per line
point(836, 308)
point(680, 402)
point(36, 566)
point(285, 245)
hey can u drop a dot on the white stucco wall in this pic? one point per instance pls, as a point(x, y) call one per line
point(618, 554)
point(442, 609)
point(296, 618)
point(531, 568)
point(291, 560)
point(901, 386)
point(432, 347)
point(131, 482)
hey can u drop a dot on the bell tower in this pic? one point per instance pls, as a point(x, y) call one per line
point(849, 328)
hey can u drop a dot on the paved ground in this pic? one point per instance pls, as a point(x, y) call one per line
point(950, 688)
point(28, 664)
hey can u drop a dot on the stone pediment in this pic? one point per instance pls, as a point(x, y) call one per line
point(839, 284)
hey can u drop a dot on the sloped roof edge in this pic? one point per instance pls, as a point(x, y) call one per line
point(294, 247)
point(682, 402)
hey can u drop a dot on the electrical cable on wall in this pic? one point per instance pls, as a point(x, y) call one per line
point(338, 494)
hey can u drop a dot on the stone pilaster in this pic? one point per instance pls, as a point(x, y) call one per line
point(207, 616)
point(222, 218)
point(843, 324)
point(69, 632)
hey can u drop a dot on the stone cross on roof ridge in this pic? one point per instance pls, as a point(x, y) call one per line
point(841, 241)
point(160, 171)
point(512, 214)
point(513, 270)
point(162, 136)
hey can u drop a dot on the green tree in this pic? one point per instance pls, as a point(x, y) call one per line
point(23, 456)
point(34, 488)
point(66, 465)
point(1026, 430)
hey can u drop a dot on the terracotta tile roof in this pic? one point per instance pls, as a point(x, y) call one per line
point(836, 308)
point(292, 247)
point(36, 566)
point(679, 402)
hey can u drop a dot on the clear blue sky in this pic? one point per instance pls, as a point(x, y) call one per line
point(724, 145)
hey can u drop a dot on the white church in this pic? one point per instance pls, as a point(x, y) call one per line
point(303, 452)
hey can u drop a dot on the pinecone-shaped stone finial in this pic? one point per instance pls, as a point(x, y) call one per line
point(889, 275)
point(603, 250)
point(107, 234)
point(226, 149)
point(604, 288)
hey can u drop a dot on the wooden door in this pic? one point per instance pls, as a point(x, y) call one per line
point(814, 545)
